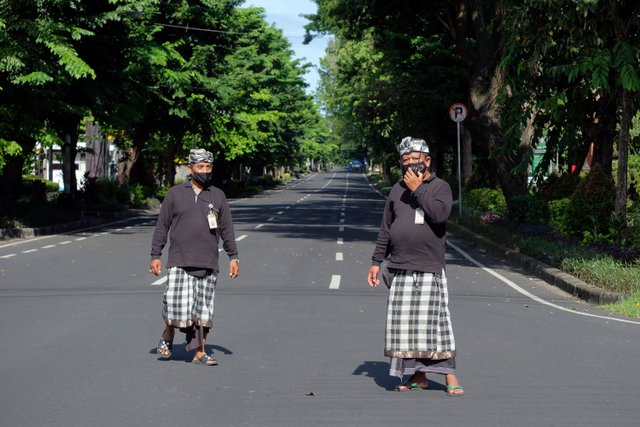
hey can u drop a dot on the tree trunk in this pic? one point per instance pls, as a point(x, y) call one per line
point(603, 143)
point(69, 151)
point(467, 156)
point(623, 156)
point(12, 173)
point(171, 162)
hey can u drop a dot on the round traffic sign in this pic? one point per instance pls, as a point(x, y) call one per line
point(458, 112)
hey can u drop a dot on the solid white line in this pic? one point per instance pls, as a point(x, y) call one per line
point(30, 250)
point(340, 241)
point(48, 246)
point(335, 282)
point(341, 229)
point(258, 226)
point(530, 295)
point(80, 238)
point(272, 218)
point(8, 256)
point(64, 243)
point(160, 281)
point(338, 256)
point(241, 237)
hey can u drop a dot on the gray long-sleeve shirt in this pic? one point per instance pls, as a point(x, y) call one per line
point(412, 246)
point(193, 243)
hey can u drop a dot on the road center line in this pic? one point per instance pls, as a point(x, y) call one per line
point(341, 229)
point(340, 241)
point(335, 282)
point(80, 238)
point(258, 226)
point(64, 243)
point(48, 246)
point(338, 256)
point(280, 213)
point(241, 237)
point(272, 218)
point(160, 281)
point(8, 256)
point(30, 250)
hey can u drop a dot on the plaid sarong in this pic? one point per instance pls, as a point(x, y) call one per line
point(188, 300)
point(418, 318)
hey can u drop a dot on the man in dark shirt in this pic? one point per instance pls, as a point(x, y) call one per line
point(198, 215)
point(419, 337)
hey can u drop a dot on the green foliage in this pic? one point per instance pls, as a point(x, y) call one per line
point(530, 209)
point(591, 203)
point(557, 187)
point(485, 200)
point(28, 182)
point(630, 307)
point(560, 221)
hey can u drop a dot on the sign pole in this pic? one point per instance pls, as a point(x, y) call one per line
point(459, 174)
point(458, 112)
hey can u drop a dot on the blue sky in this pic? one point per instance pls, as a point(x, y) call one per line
point(284, 15)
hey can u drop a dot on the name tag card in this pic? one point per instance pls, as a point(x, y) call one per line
point(419, 216)
point(213, 220)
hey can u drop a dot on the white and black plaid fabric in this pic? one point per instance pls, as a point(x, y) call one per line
point(188, 300)
point(418, 318)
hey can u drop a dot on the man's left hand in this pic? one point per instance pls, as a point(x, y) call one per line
point(234, 269)
point(412, 180)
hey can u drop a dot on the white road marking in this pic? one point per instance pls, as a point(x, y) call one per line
point(48, 246)
point(335, 282)
point(80, 238)
point(106, 232)
point(341, 213)
point(241, 237)
point(340, 241)
point(258, 226)
point(30, 250)
point(119, 229)
point(338, 256)
point(8, 256)
point(530, 295)
point(64, 243)
point(341, 229)
point(342, 220)
point(272, 218)
point(280, 213)
point(287, 207)
point(128, 226)
point(342, 209)
point(160, 281)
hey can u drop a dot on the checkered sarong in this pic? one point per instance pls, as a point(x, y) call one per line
point(188, 300)
point(418, 319)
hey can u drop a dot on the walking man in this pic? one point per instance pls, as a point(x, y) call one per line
point(419, 336)
point(197, 214)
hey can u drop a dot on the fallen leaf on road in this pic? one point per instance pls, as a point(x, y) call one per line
point(310, 394)
point(526, 305)
point(361, 311)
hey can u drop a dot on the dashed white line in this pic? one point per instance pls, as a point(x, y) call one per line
point(341, 229)
point(106, 232)
point(259, 226)
point(119, 229)
point(48, 246)
point(128, 226)
point(341, 213)
point(241, 237)
point(340, 241)
point(8, 256)
point(64, 243)
point(160, 281)
point(342, 220)
point(338, 256)
point(280, 213)
point(30, 250)
point(80, 238)
point(272, 218)
point(287, 207)
point(335, 282)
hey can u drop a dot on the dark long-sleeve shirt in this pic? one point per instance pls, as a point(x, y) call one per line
point(193, 243)
point(412, 246)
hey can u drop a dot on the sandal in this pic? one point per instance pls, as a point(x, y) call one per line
point(165, 345)
point(409, 386)
point(452, 393)
point(205, 360)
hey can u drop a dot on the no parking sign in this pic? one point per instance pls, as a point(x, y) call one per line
point(458, 112)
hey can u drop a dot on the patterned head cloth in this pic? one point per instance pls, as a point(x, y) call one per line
point(200, 156)
point(409, 145)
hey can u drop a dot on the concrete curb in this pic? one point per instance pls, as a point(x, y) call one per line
point(90, 218)
point(553, 276)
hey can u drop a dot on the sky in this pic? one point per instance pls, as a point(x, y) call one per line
point(284, 15)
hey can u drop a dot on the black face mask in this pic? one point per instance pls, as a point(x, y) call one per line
point(417, 168)
point(202, 178)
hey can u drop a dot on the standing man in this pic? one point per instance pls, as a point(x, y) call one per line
point(198, 215)
point(419, 336)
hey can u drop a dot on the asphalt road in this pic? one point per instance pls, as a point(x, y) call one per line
point(80, 320)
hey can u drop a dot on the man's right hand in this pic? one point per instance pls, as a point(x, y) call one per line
point(372, 277)
point(155, 266)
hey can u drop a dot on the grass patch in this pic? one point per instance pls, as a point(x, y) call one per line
point(629, 307)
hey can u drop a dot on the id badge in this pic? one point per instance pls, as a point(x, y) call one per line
point(213, 220)
point(419, 216)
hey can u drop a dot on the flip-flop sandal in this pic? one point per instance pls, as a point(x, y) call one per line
point(205, 360)
point(409, 386)
point(164, 345)
point(453, 394)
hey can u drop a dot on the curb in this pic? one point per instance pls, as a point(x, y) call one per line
point(553, 276)
point(91, 218)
